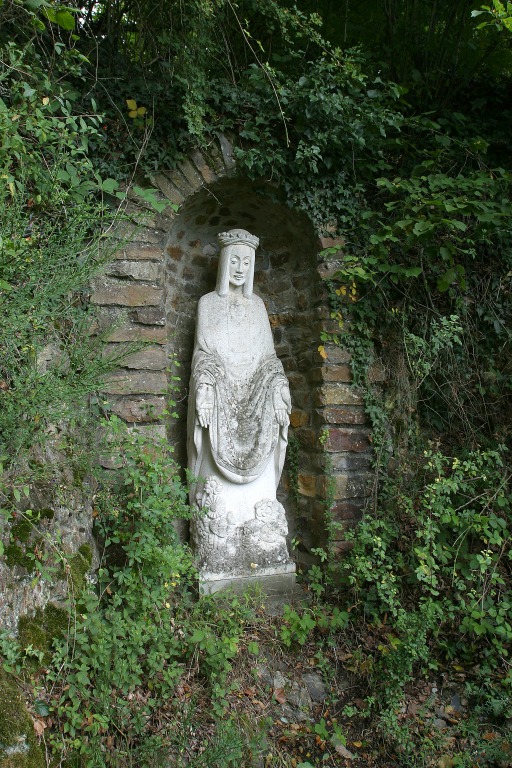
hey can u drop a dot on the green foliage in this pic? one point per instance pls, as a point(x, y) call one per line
point(44, 155)
point(433, 564)
point(500, 13)
point(298, 626)
point(133, 642)
point(18, 743)
point(49, 361)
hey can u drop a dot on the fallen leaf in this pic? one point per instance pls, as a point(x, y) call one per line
point(357, 744)
point(279, 695)
point(39, 726)
point(343, 752)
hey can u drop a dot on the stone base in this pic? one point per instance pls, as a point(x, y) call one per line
point(277, 580)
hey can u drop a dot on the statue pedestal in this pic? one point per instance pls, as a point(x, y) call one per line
point(277, 580)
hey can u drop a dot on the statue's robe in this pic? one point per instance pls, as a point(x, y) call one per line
point(244, 444)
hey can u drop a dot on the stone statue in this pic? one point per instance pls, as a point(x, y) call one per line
point(239, 406)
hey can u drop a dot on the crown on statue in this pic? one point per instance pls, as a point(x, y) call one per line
point(236, 236)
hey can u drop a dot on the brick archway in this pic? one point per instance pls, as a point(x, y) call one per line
point(149, 293)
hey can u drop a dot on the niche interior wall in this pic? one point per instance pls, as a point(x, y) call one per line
point(150, 290)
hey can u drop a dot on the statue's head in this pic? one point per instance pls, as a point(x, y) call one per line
point(236, 264)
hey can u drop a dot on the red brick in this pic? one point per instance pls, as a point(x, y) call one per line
point(347, 510)
point(342, 547)
point(341, 439)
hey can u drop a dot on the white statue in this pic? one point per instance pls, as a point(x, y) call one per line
point(239, 406)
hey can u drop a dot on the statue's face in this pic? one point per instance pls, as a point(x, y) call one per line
point(239, 258)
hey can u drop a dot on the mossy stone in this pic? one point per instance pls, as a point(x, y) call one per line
point(31, 632)
point(56, 620)
point(79, 566)
point(42, 628)
point(14, 555)
point(18, 744)
point(21, 530)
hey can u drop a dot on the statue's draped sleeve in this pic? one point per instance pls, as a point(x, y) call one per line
point(236, 358)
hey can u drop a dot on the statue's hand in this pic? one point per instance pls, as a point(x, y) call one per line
point(204, 404)
point(282, 405)
point(282, 417)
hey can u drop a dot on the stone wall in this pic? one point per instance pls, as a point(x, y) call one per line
point(149, 293)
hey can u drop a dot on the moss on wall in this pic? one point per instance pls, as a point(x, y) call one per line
point(18, 744)
point(79, 566)
point(19, 547)
point(15, 555)
point(40, 629)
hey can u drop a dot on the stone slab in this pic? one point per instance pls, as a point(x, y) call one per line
point(339, 394)
point(344, 415)
point(204, 169)
point(191, 174)
point(139, 252)
point(227, 152)
point(150, 358)
point(341, 373)
point(147, 271)
point(272, 581)
point(133, 332)
point(336, 354)
point(299, 418)
point(148, 316)
point(306, 485)
point(144, 409)
point(125, 294)
point(180, 182)
point(135, 383)
point(169, 190)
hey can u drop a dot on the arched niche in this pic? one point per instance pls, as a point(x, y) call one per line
point(286, 278)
